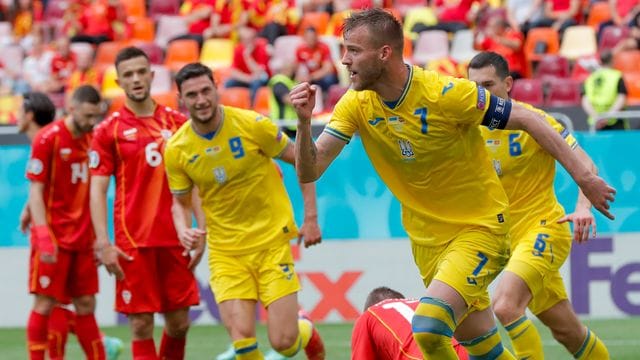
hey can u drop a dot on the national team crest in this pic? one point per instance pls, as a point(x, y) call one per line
point(44, 281)
point(130, 134)
point(220, 175)
point(65, 153)
point(406, 150)
point(126, 296)
point(166, 133)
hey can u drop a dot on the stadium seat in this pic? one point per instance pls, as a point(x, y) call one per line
point(418, 15)
point(583, 67)
point(407, 51)
point(6, 31)
point(11, 57)
point(153, 51)
point(551, 67)
point(431, 45)
point(333, 43)
point(142, 28)
point(217, 53)
point(169, 99)
point(106, 54)
point(158, 8)
point(235, 96)
point(578, 41)
point(462, 46)
point(611, 36)
point(284, 51)
point(632, 83)
point(335, 23)
point(319, 20)
point(135, 8)
point(404, 6)
point(9, 108)
point(170, 27)
point(564, 93)
point(598, 13)
point(334, 94)
point(81, 49)
point(110, 89)
point(535, 36)
point(627, 61)
point(55, 9)
point(162, 81)
point(529, 91)
point(221, 74)
point(395, 12)
point(181, 53)
point(262, 101)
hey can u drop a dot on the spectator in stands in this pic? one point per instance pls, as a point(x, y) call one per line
point(604, 91)
point(25, 14)
point(62, 65)
point(559, 14)
point(227, 17)
point(273, 18)
point(96, 21)
point(84, 74)
point(623, 13)
point(500, 38)
point(453, 15)
point(521, 13)
point(314, 62)
point(36, 69)
point(632, 42)
point(250, 66)
point(197, 14)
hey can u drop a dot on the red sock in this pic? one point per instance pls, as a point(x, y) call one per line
point(37, 335)
point(58, 331)
point(144, 349)
point(172, 348)
point(89, 337)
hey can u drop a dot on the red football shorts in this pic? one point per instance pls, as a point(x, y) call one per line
point(74, 274)
point(156, 280)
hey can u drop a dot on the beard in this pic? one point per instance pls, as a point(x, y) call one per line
point(203, 120)
point(140, 98)
point(368, 77)
point(82, 129)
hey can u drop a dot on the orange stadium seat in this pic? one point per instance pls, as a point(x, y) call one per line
point(564, 93)
point(106, 54)
point(142, 28)
point(627, 61)
point(262, 101)
point(181, 53)
point(407, 51)
point(136, 8)
point(169, 99)
point(632, 83)
point(548, 36)
point(220, 75)
point(235, 96)
point(529, 91)
point(335, 23)
point(319, 20)
point(598, 13)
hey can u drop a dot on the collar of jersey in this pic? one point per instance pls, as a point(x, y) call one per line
point(394, 104)
point(212, 134)
point(125, 109)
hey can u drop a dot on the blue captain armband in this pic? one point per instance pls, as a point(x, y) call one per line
point(498, 113)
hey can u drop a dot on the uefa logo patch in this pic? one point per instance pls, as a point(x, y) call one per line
point(94, 159)
point(35, 166)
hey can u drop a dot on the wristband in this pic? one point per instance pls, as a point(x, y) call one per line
point(42, 239)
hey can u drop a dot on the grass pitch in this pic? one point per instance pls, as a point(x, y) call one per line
point(204, 342)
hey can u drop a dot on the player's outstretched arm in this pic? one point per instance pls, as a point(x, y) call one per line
point(312, 158)
point(599, 193)
point(582, 218)
point(107, 254)
point(190, 238)
point(42, 240)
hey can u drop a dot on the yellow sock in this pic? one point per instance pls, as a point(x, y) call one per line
point(433, 325)
point(592, 348)
point(247, 349)
point(487, 347)
point(304, 334)
point(525, 339)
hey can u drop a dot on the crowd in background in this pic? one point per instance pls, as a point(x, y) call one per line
point(259, 49)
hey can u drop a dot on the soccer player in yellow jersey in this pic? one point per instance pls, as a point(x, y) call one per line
point(540, 235)
point(421, 133)
point(227, 154)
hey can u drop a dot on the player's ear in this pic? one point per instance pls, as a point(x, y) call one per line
point(508, 83)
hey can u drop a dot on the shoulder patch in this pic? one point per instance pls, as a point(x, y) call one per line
point(94, 159)
point(482, 98)
point(35, 166)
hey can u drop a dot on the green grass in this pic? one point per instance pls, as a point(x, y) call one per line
point(205, 342)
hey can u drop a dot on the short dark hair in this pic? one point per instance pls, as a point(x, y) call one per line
point(381, 293)
point(129, 53)
point(41, 106)
point(487, 58)
point(385, 29)
point(86, 94)
point(606, 56)
point(191, 71)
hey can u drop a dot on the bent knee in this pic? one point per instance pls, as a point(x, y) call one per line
point(141, 325)
point(285, 341)
point(507, 311)
point(178, 329)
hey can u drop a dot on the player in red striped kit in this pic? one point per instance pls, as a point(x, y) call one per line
point(152, 273)
point(383, 331)
point(62, 263)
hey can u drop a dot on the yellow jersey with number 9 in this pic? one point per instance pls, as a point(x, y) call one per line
point(243, 196)
point(428, 149)
point(527, 172)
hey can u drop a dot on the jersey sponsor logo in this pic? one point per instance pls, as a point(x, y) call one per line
point(193, 158)
point(94, 159)
point(493, 142)
point(406, 150)
point(130, 134)
point(396, 122)
point(44, 281)
point(447, 87)
point(482, 98)
point(166, 133)
point(375, 121)
point(126, 296)
point(35, 166)
point(220, 175)
point(65, 153)
point(213, 150)
point(287, 270)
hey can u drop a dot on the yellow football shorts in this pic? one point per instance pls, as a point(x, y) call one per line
point(468, 263)
point(536, 257)
point(266, 275)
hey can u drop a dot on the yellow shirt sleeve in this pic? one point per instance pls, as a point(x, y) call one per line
point(462, 101)
point(343, 123)
point(179, 181)
point(269, 137)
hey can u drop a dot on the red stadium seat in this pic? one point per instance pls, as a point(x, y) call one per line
point(153, 51)
point(552, 67)
point(529, 91)
point(158, 8)
point(235, 96)
point(564, 92)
